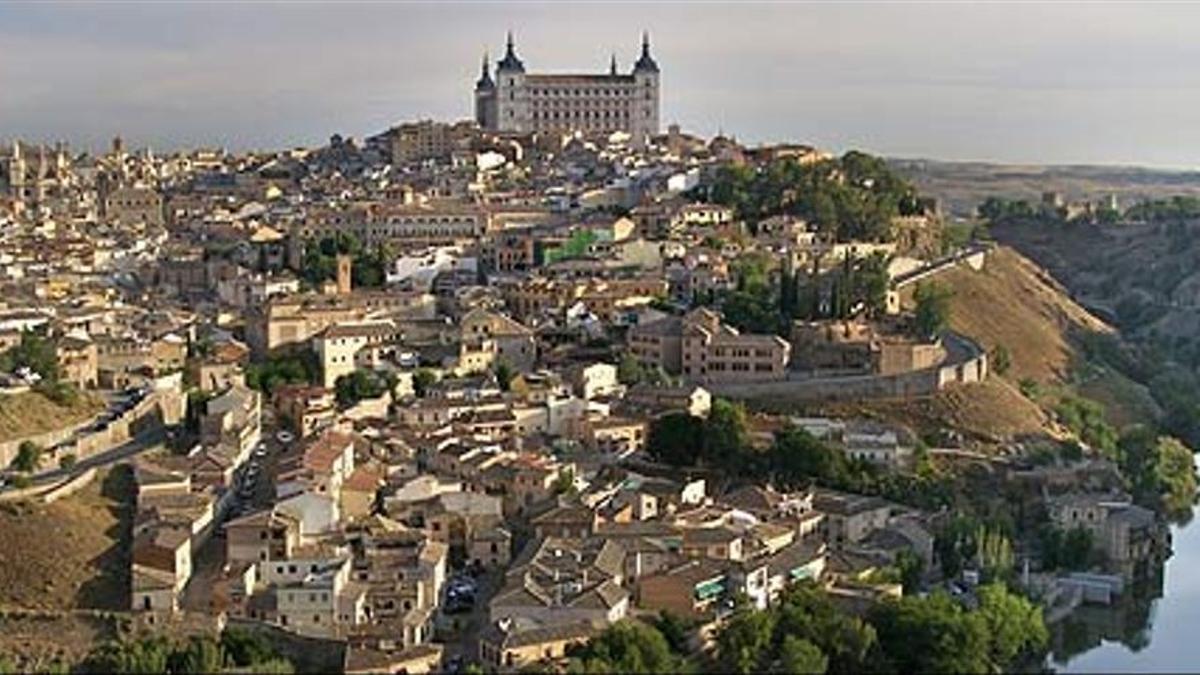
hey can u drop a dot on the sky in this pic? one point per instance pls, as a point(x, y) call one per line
point(1053, 82)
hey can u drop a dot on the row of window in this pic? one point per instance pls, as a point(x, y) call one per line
point(312, 597)
point(580, 114)
point(562, 93)
point(741, 352)
point(739, 367)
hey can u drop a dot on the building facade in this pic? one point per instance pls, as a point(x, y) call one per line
point(520, 102)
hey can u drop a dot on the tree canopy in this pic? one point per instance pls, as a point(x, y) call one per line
point(937, 634)
point(853, 197)
point(368, 264)
point(932, 314)
point(626, 647)
point(363, 384)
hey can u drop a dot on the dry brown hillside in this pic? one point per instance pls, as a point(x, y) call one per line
point(31, 413)
point(1014, 303)
point(69, 554)
point(989, 412)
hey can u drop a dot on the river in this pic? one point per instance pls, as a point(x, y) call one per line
point(1154, 629)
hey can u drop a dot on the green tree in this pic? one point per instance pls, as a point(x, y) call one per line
point(956, 544)
point(933, 634)
point(725, 438)
point(67, 462)
point(932, 314)
point(293, 368)
point(504, 374)
point(801, 657)
point(1014, 625)
point(361, 384)
point(798, 458)
point(148, 656)
point(29, 457)
point(34, 352)
point(1086, 419)
point(564, 483)
point(806, 612)
point(1159, 468)
point(626, 647)
point(676, 438)
point(199, 655)
point(246, 648)
point(629, 370)
point(1000, 360)
point(744, 644)
point(911, 568)
point(994, 554)
point(423, 380)
point(674, 630)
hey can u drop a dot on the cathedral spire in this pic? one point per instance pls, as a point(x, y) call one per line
point(612, 67)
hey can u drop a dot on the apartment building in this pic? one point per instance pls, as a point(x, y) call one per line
point(701, 348)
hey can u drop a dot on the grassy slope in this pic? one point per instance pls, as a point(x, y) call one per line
point(1011, 302)
point(1014, 303)
point(69, 554)
point(31, 413)
point(987, 412)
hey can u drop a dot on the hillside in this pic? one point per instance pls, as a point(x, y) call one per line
point(989, 412)
point(1015, 304)
point(69, 554)
point(31, 413)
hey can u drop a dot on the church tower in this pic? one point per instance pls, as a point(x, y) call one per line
point(485, 98)
point(646, 93)
point(512, 105)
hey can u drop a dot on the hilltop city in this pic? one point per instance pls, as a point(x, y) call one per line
point(556, 388)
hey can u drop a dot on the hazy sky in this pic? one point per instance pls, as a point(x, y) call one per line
point(1044, 82)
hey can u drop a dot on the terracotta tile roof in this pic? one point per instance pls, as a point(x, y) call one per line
point(324, 451)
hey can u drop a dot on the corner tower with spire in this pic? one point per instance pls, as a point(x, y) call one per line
point(515, 101)
point(485, 97)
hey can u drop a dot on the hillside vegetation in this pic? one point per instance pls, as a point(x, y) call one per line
point(1144, 276)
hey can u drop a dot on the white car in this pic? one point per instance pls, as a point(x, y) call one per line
point(284, 436)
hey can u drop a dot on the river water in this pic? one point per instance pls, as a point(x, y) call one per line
point(1156, 628)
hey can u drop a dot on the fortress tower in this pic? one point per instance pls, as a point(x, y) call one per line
point(521, 102)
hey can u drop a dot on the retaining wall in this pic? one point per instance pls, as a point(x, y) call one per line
point(967, 362)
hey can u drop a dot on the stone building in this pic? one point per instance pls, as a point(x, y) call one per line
point(516, 101)
point(701, 348)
